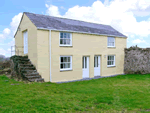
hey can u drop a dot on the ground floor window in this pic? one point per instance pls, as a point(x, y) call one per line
point(65, 62)
point(110, 60)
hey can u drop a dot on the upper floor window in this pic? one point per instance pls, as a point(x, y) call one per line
point(111, 42)
point(65, 39)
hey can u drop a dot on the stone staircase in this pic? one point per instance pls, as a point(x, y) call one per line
point(27, 70)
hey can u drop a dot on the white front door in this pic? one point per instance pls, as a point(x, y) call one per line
point(25, 36)
point(85, 67)
point(96, 65)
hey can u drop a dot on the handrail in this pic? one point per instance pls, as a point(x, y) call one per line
point(16, 50)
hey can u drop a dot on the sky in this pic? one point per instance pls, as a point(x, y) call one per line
point(130, 17)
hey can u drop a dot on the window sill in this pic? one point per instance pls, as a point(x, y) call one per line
point(111, 66)
point(65, 70)
point(111, 47)
point(65, 45)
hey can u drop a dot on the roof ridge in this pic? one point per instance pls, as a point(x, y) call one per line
point(68, 19)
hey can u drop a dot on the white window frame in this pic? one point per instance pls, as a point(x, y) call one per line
point(66, 69)
point(108, 41)
point(70, 39)
point(111, 60)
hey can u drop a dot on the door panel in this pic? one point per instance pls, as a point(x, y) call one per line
point(25, 35)
point(96, 65)
point(85, 67)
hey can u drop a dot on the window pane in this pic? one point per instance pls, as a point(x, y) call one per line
point(61, 41)
point(62, 59)
point(65, 35)
point(85, 62)
point(113, 44)
point(68, 65)
point(97, 61)
point(109, 39)
point(64, 41)
point(67, 41)
point(68, 59)
point(82, 62)
point(112, 57)
point(64, 65)
point(108, 58)
point(94, 62)
point(61, 66)
point(68, 35)
point(112, 62)
point(61, 35)
point(65, 59)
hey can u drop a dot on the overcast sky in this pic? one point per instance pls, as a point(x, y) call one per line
point(130, 17)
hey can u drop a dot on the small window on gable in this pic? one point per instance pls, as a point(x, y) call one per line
point(111, 42)
point(65, 39)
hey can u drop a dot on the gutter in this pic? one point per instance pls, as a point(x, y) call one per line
point(80, 32)
point(50, 53)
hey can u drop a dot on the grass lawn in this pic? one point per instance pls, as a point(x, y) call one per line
point(128, 93)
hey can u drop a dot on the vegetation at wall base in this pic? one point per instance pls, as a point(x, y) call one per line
point(124, 93)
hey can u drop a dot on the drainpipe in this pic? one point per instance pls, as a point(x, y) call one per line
point(50, 53)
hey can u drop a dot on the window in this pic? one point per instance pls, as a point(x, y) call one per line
point(110, 61)
point(65, 62)
point(65, 39)
point(111, 42)
point(95, 61)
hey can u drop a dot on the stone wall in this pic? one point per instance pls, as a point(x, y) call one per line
point(137, 60)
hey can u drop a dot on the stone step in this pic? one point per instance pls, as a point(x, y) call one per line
point(28, 71)
point(26, 65)
point(24, 62)
point(31, 74)
point(33, 77)
point(27, 68)
point(36, 80)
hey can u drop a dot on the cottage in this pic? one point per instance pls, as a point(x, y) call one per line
point(64, 49)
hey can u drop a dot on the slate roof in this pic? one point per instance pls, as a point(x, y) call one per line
point(57, 23)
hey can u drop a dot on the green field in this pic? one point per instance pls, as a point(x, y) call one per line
point(124, 93)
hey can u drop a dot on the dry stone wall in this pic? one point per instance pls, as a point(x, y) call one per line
point(137, 60)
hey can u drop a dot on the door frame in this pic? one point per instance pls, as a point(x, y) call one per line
point(100, 63)
point(27, 41)
point(89, 65)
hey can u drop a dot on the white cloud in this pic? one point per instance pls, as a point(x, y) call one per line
point(15, 22)
point(52, 10)
point(6, 31)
